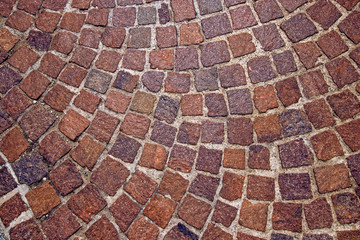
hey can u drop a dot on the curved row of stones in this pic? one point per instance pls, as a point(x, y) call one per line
point(180, 119)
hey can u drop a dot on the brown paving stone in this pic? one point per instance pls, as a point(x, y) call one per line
point(73, 124)
point(319, 113)
point(66, 178)
point(284, 62)
point(182, 158)
point(342, 72)
point(349, 132)
point(162, 59)
point(47, 21)
point(298, 27)
point(7, 182)
point(326, 145)
point(224, 213)
point(204, 186)
point(27, 229)
point(290, 5)
point(268, 36)
point(7, 40)
point(39, 40)
point(232, 185)
point(153, 156)
point(207, 7)
point(34, 84)
point(139, 37)
point(11, 209)
point(177, 83)
point(98, 17)
point(353, 164)
point(265, 98)
point(242, 17)
point(194, 211)
point(42, 199)
point(355, 55)
point(102, 229)
point(254, 215)
point(83, 56)
point(183, 10)
point(23, 58)
point(160, 210)
point(215, 102)
point(267, 128)
point(190, 33)
point(143, 102)
point(146, 15)
point(166, 36)
point(103, 126)
point(36, 121)
point(61, 225)
point(20, 20)
point(104, 4)
point(8, 78)
point(113, 37)
point(72, 21)
point(295, 186)
point(287, 216)
point(294, 122)
point(230, 3)
point(209, 160)
point(241, 236)
point(192, 105)
point(260, 188)
point(260, 69)
point(189, 133)
point(216, 25)
point(6, 7)
point(313, 84)
point(135, 125)
point(349, 26)
point(55, 5)
point(173, 184)
point(288, 91)
point(240, 131)
point(259, 157)
point(345, 104)
point(332, 44)
point(239, 101)
point(332, 178)
point(163, 134)
point(153, 80)
point(87, 152)
point(167, 109)
point(81, 4)
point(125, 148)
point(63, 42)
point(15, 102)
point(214, 232)
point(267, 10)
point(318, 214)
point(141, 187)
point(51, 65)
point(13, 144)
point(308, 53)
point(124, 17)
point(206, 80)
point(295, 154)
point(232, 75)
point(346, 206)
point(98, 81)
point(214, 53)
point(186, 58)
point(58, 97)
point(142, 229)
point(124, 211)
point(87, 101)
point(347, 235)
point(90, 37)
point(5, 121)
point(330, 14)
point(110, 176)
point(212, 132)
point(126, 81)
point(86, 203)
point(134, 59)
point(117, 102)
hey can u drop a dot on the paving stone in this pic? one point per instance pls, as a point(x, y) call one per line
point(153, 156)
point(232, 75)
point(23, 58)
point(342, 72)
point(317, 237)
point(189, 133)
point(295, 154)
point(8, 40)
point(110, 176)
point(348, 4)
point(254, 216)
point(349, 26)
point(124, 211)
point(103, 126)
point(113, 37)
point(139, 37)
point(81, 4)
point(194, 211)
point(294, 122)
point(288, 91)
point(267, 128)
point(239, 101)
point(206, 79)
point(6, 7)
point(313, 84)
point(177, 83)
point(183, 10)
point(124, 17)
point(27, 229)
point(166, 36)
point(20, 20)
point(291, 6)
point(34, 84)
point(346, 207)
point(209, 160)
point(63, 42)
point(30, 168)
point(284, 62)
point(230, 3)
point(164, 14)
point(216, 105)
point(3, 56)
point(125, 148)
point(242, 17)
point(55, 5)
point(329, 13)
point(98, 81)
point(141, 187)
point(224, 214)
point(319, 113)
point(298, 28)
point(160, 210)
point(204, 186)
point(87, 101)
point(212, 132)
point(260, 69)
point(13, 144)
point(280, 236)
point(47, 21)
point(216, 26)
point(142, 229)
point(190, 33)
point(126, 81)
point(87, 152)
point(73, 124)
point(355, 55)
point(259, 157)
point(134, 125)
point(308, 54)
point(83, 57)
point(332, 44)
point(353, 164)
point(326, 145)
point(61, 225)
point(241, 235)
point(98, 17)
point(191, 105)
point(287, 216)
point(167, 109)
point(347, 235)
point(72, 21)
point(7, 182)
point(59, 97)
point(129, 2)
point(42, 199)
point(345, 104)
point(90, 37)
point(349, 132)
point(117, 102)
point(260, 188)
point(181, 158)
point(146, 15)
point(143, 102)
point(265, 98)
point(134, 59)
point(186, 58)
point(8, 78)
point(207, 7)
point(36, 122)
point(232, 185)
point(173, 184)
point(11, 209)
point(153, 80)
point(102, 229)
point(318, 214)
point(39, 40)
point(332, 178)
point(240, 131)
point(86, 203)
point(295, 186)
point(66, 178)
point(104, 4)
point(51, 65)
point(267, 10)
point(5, 121)
point(269, 37)
point(180, 231)
point(214, 53)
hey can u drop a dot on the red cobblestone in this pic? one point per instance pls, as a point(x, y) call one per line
point(224, 214)
point(173, 184)
point(34, 84)
point(260, 188)
point(332, 178)
point(142, 229)
point(47, 21)
point(103, 126)
point(73, 124)
point(20, 21)
point(308, 54)
point(329, 13)
point(326, 145)
point(72, 21)
point(15, 102)
point(313, 84)
point(287, 216)
point(98, 17)
point(102, 229)
point(242, 17)
point(23, 58)
point(13, 144)
point(160, 210)
point(28, 229)
point(182, 158)
point(124, 211)
point(87, 152)
point(349, 132)
point(194, 211)
point(254, 216)
point(232, 185)
point(58, 97)
point(87, 101)
point(318, 214)
point(332, 44)
point(11, 209)
point(141, 187)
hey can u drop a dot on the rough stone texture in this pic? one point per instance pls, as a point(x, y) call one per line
point(318, 214)
point(209, 160)
point(254, 216)
point(73, 124)
point(204, 186)
point(260, 188)
point(332, 178)
point(349, 132)
point(58, 97)
point(34, 84)
point(326, 145)
point(295, 186)
point(153, 156)
point(345, 104)
point(294, 122)
point(102, 229)
point(260, 69)
point(124, 211)
point(8, 78)
point(182, 158)
point(13, 144)
point(287, 216)
point(295, 154)
point(298, 27)
point(27, 229)
point(103, 126)
point(141, 187)
point(267, 128)
point(11, 209)
point(160, 210)
point(342, 72)
point(232, 186)
point(173, 184)
point(194, 211)
point(346, 206)
point(224, 213)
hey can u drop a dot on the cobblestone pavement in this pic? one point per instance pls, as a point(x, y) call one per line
point(180, 119)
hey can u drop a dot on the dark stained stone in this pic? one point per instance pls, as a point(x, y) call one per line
point(30, 168)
